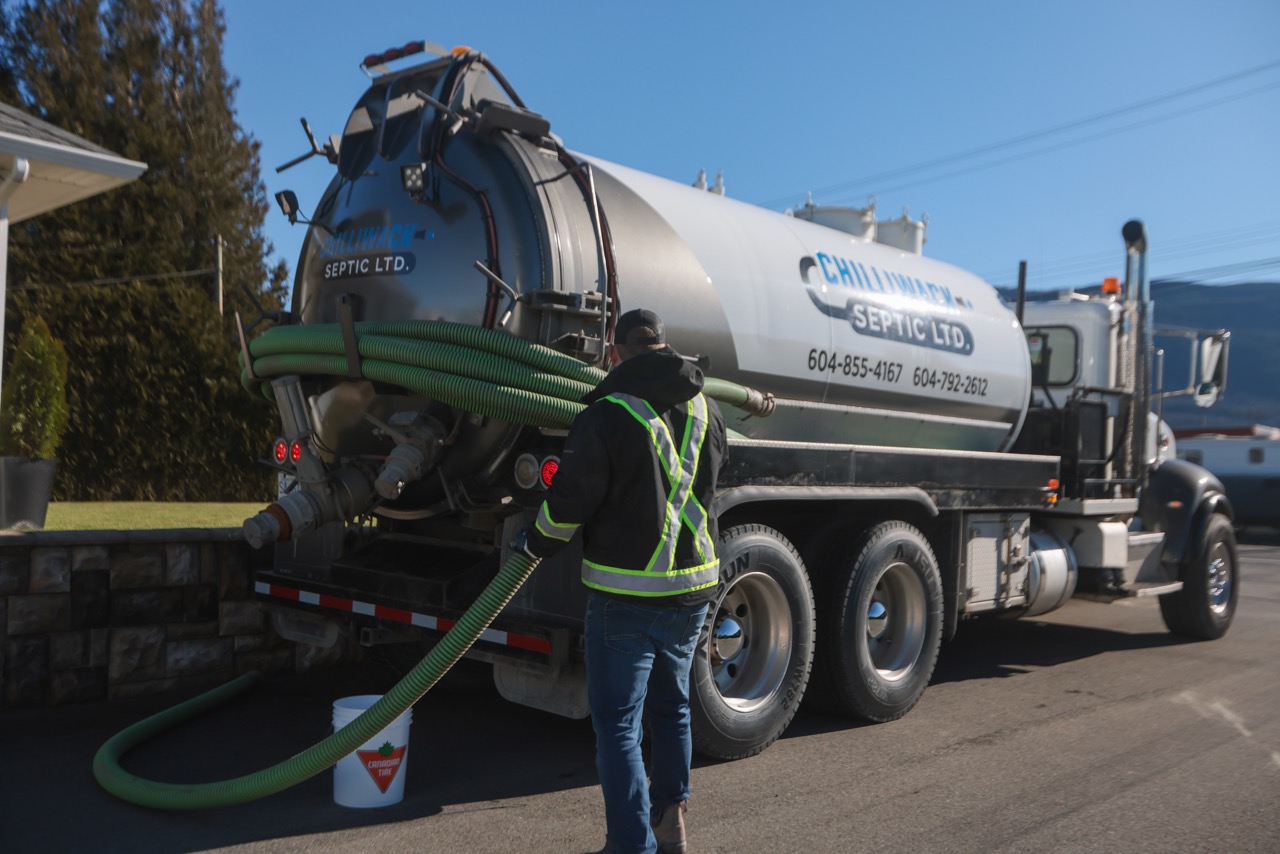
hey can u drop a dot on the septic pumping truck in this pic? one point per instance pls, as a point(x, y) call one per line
point(906, 451)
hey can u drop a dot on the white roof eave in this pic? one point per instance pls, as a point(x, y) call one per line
point(61, 174)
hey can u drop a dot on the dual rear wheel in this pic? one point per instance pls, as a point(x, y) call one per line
point(878, 635)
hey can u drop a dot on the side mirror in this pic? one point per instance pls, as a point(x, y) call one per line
point(288, 202)
point(1212, 378)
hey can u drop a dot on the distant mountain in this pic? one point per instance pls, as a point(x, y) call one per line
point(1251, 312)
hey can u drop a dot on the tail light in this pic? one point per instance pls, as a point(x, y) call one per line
point(284, 452)
point(533, 473)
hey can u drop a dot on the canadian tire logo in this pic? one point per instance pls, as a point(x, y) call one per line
point(383, 764)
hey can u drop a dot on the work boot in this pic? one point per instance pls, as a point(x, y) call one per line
point(669, 829)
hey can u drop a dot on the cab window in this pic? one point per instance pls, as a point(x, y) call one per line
point(1055, 355)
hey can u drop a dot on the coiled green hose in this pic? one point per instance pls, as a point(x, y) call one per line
point(313, 760)
point(478, 370)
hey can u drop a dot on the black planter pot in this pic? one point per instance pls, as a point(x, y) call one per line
point(26, 485)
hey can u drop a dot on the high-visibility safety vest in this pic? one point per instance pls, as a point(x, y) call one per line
point(683, 510)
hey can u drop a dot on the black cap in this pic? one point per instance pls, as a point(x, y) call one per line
point(640, 327)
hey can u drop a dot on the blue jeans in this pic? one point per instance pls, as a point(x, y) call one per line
point(638, 661)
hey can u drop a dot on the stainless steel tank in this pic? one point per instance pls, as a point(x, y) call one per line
point(860, 342)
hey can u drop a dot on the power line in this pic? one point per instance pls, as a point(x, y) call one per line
point(1023, 138)
point(1202, 275)
point(1223, 270)
point(1072, 142)
point(1178, 247)
point(154, 277)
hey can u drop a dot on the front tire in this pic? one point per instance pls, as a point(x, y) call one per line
point(881, 624)
point(1206, 604)
point(756, 650)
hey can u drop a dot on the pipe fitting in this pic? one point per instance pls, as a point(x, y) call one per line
point(404, 464)
point(345, 494)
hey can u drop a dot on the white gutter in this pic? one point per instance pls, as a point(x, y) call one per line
point(8, 186)
point(65, 155)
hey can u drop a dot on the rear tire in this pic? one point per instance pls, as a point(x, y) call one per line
point(1206, 604)
point(756, 650)
point(881, 624)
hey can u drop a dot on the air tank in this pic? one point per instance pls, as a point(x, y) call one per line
point(858, 341)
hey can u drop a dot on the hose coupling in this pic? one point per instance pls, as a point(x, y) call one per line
point(759, 403)
point(346, 493)
point(404, 464)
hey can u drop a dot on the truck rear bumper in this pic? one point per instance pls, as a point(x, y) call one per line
point(546, 645)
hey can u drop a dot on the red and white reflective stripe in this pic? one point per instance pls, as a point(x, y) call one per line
point(398, 615)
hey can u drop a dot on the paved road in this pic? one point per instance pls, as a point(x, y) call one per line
point(1088, 730)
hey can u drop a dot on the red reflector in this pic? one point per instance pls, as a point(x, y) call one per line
point(295, 452)
point(1053, 483)
point(549, 468)
point(281, 450)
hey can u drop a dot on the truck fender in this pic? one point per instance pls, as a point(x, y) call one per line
point(1179, 500)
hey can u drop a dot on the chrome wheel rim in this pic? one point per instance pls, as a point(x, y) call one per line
point(1219, 578)
point(896, 622)
point(751, 641)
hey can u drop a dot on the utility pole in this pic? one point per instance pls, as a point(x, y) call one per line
point(218, 269)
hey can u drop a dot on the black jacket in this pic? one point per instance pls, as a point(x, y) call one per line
point(610, 480)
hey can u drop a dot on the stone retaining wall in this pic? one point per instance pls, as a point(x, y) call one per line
point(92, 615)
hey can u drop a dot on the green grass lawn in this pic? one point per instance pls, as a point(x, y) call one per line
point(143, 515)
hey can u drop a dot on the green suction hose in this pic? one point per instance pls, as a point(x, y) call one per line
point(315, 759)
point(479, 370)
point(474, 369)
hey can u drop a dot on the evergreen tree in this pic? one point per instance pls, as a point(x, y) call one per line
point(8, 85)
point(156, 408)
point(35, 399)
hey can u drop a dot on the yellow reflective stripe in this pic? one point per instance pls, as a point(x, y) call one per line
point(666, 452)
point(551, 528)
point(647, 420)
point(682, 507)
point(636, 582)
point(697, 520)
point(605, 589)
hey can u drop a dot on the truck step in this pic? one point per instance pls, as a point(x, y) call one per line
point(1134, 590)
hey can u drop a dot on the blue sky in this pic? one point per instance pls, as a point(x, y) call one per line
point(788, 98)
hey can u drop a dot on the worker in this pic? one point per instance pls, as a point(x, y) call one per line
point(637, 478)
